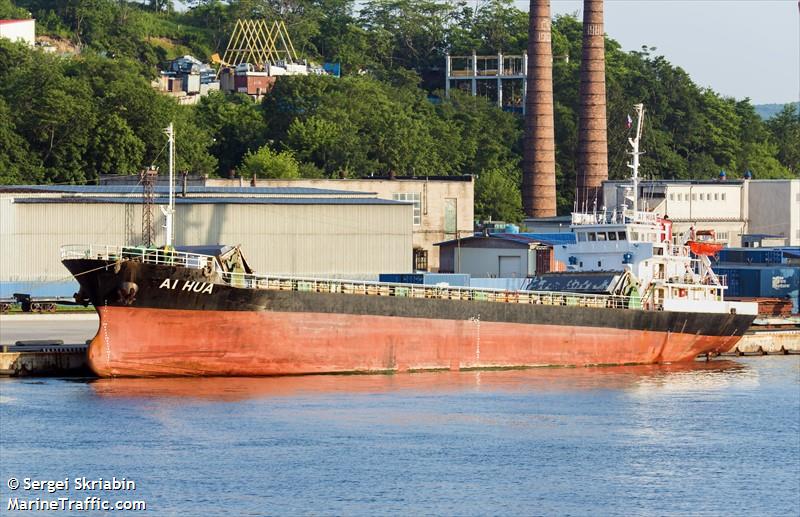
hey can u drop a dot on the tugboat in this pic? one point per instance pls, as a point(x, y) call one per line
point(630, 296)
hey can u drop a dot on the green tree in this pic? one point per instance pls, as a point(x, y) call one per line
point(17, 163)
point(785, 131)
point(497, 196)
point(266, 163)
point(10, 11)
point(52, 111)
point(759, 158)
point(236, 124)
point(340, 38)
point(192, 143)
point(407, 33)
point(114, 148)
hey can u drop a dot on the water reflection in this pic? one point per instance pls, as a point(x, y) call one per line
point(638, 379)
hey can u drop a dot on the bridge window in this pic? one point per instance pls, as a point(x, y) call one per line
point(601, 236)
point(612, 236)
point(592, 236)
point(621, 236)
point(581, 236)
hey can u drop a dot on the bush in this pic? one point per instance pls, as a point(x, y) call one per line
point(266, 163)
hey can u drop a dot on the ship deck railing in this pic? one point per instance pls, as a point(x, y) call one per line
point(148, 255)
point(346, 286)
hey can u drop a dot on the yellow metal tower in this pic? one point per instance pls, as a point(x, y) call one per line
point(259, 43)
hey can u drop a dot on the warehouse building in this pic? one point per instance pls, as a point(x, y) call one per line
point(443, 206)
point(282, 231)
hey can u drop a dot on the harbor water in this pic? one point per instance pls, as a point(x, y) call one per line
point(716, 438)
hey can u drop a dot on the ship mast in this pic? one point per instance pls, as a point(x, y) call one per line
point(170, 210)
point(634, 165)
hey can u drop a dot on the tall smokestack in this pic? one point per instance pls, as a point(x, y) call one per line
point(592, 143)
point(539, 159)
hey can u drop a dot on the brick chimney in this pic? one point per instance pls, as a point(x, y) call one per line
point(592, 142)
point(539, 158)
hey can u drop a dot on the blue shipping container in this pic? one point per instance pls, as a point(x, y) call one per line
point(763, 282)
point(452, 279)
point(401, 278)
point(751, 255)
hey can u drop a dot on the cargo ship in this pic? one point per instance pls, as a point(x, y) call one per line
point(632, 294)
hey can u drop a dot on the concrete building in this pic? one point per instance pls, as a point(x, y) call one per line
point(732, 208)
point(501, 255)
point(443, 206)
point(282, 231)
point(19, 30)
point(774, 208)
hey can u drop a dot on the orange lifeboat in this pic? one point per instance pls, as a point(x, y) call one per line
point(705, 243)
point(705, 247)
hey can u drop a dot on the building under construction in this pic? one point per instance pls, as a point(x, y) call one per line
point(259, 52)
point(499, 78)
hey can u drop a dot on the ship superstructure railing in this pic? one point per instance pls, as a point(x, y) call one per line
point(346, 286)
point(625, 216)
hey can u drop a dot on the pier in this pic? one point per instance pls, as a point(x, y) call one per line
point(768, 341)
point(45, 344)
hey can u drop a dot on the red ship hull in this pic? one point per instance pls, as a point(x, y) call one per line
point(144, 342)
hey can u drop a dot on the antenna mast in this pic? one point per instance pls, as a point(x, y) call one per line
point(148, 178)
point(634, 165)
point(170, 210)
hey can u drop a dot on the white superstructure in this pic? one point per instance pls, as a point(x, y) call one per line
point(661, 268)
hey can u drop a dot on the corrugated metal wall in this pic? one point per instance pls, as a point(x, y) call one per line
point(355, 240)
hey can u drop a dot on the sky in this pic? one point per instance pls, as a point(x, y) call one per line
point(739, 48)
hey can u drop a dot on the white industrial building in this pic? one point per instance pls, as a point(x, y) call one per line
point(774, 209)
point(19, 30)
point(703, 204)
point(282, 231)
point(732, 208)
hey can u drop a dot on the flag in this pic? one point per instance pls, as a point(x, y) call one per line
point(629, 122)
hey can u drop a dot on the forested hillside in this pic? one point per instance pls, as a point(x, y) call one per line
point(68, 117)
